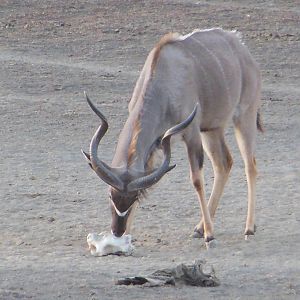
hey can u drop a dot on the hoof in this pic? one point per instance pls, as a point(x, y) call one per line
point(198, 233)
point(249, 232)
point(210, 243)
point(249, 237)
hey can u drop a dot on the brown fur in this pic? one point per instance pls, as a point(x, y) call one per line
point(259, 123)
point(132, 146)
point(150, 162)
point(166, 39)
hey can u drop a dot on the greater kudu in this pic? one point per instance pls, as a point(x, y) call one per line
point(211, 69)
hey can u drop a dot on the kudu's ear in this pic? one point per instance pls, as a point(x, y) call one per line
point(87, 158)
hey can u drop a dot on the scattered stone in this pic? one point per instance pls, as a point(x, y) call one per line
point(9, 25)
point(34, 195)
point(19, 243)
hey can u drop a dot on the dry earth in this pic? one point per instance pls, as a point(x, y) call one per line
point(50, 51)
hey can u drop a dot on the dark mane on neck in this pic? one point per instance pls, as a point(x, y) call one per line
point(134, 138)
point(166, 39)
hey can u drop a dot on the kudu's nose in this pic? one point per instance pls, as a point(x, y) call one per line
point(118, 226)
point(117, 233)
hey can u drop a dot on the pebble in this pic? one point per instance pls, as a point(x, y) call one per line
point(19, 243)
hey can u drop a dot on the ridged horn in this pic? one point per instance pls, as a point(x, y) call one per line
point(105, 172)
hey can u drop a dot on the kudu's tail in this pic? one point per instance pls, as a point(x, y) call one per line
point(259, 123)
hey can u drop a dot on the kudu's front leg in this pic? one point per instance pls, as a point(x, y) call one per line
point(196, 155)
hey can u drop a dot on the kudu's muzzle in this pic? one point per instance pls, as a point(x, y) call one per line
point(119, 220)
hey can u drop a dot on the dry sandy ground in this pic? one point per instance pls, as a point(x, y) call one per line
point(50, 51)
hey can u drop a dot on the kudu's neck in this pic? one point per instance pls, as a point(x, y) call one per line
point(143, 127)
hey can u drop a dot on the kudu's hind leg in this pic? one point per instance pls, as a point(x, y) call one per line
point(195, 153)
point(218, 152)
point(245, 131)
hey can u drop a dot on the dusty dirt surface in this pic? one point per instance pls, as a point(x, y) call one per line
point(50, 52)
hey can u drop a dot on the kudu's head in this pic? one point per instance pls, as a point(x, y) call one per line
point(126, 184)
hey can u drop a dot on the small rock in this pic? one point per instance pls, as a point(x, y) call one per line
point(19, 243)
point(68, 244)
point(34, 195)
point(51, 219)
point(8, 25)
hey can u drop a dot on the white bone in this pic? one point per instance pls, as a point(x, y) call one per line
point(103, 244)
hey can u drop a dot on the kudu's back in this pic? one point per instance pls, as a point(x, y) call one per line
point(212, 67)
